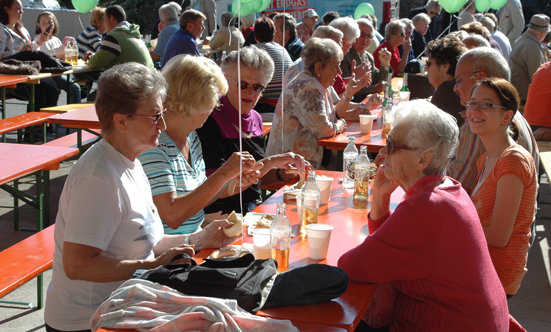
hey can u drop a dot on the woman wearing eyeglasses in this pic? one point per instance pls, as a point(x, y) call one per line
point(443, 54)
point(395, 35)
point(505, 195)
point(225, 129)
point(108, 225)
point(431, 249)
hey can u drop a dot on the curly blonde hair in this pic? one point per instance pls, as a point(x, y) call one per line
point(195, 85)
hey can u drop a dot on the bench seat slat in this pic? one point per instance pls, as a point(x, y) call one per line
point(23, 121)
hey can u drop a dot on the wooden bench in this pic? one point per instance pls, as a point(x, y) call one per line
point(27, 260)
point(73, 140)
point(23, 121)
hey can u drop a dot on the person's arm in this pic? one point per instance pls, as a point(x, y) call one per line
point(542, 134)
point(352, 87)
point(507, 203)
point(405, 56)
point(218, 39)
point(154, 56)
point(284, 162)
point(107, 53)
point(175, 209)
point(517, 20)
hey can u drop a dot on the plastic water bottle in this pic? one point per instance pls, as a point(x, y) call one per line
point(75, 53)
point(361, 176)
point(280, 238)
point(349, 158)
point(310, 202)
point(387, 113)
point(68, 52)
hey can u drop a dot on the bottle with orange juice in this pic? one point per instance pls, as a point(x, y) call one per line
point(310, 202)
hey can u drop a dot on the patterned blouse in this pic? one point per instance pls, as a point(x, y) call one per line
point(11, 42)
point(309, 115)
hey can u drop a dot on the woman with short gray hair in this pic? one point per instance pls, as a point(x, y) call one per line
point(432, 239)
point(350, 30)
point(220, 135)
point(395, 35)
point(228, 38)
point(306, 111)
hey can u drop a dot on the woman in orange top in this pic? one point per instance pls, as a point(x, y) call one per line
point(505, 196)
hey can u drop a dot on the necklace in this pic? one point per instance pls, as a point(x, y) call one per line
point(243, 134)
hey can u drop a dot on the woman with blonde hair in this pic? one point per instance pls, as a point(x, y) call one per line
point(175, 168)
point(505, 195)
point(90, 39)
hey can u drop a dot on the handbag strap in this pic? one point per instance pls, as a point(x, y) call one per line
point(183, 256)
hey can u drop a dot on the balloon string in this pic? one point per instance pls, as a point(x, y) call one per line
point(239, 118)
point(282, 96)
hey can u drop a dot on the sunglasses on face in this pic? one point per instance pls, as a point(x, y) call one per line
point(391, 146)
point(482, 105)
point(256, 87)
point(433, 13)
point(155, 118)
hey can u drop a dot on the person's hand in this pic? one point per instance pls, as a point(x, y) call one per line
point(291, 160)
point(379, 87)
point(212, 236)
point(373, 102)
point(382, 186)
point(161, 26)
point(542, 134)
point(407, 46)
point(384, 57)
point(247, 177)
point(355, 85)
point(43, 38)
point(361, 70)
point(167, 256)
point(87, 56)
point(238, 162)
point(68, 39)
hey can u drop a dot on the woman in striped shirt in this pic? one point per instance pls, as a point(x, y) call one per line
point(505, 195)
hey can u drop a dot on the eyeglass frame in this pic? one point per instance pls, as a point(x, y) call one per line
point(472, 104)
point(469, 74)
point(254, 86)
point(391, 146)
point(155, 118)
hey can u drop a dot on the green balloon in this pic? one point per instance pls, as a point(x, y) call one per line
point(363, 9)
point(482, 5)
point(242, 9)
point(84, 6)
point(247, 1)
point(498, 4)
point(265, 5)
point(452, 6)
point(257, 5)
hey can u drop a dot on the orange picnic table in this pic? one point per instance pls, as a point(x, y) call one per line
point(20, 160)
point(350, 222)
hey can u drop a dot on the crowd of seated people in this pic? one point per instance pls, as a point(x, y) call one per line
point(190, 140)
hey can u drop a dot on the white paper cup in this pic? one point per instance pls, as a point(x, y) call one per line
point(324, 183)
point(318, 240)
point(366, 123)
point(404, 95)
point(261, 240)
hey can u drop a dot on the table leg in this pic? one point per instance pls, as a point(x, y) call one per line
point(46, 199)
point(32, 98)
point(3, 110)
point(16, 207)
point(39, 201)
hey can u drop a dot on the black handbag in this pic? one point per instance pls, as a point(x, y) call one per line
point(48, 63)
point(239, 278)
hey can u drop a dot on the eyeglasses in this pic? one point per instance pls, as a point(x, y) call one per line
point(256, 87)
point(469, 74)
point(391, 146)
point(481, 104)
point(433, 13)
point(155, 118)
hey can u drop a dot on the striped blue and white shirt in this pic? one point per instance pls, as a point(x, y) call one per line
point(168, 171)
point(89, 40)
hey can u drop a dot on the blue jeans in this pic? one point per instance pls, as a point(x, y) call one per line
point(74, 89)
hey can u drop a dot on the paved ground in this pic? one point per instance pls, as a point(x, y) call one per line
point(531, 306)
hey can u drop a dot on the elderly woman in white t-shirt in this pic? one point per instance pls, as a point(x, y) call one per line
point(107, 226)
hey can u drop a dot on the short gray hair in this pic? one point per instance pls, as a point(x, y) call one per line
point(326, 31)
point(176, 6)
point(226, 19)
point(430, 130)
point(348, 26)
point(433, 4)
point(290, 23)
point(320, 50)
point(252, 57)
point(393, 28)
point(364, 21)
point(420, 17)
point(490, 61)
point(478, 40)
point(168, 13)
point(249, 19)
point(124, 88)
point(407, 22)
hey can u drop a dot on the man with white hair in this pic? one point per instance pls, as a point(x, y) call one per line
point(432, 9)
point(155, 28)
point(306, 28)
point(419, 42)
point(358, 54)
point(474, 65)
point(350, 31)
point(167, 27)
point(528, 55)
point(474, 41)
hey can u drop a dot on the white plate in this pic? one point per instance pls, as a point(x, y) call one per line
point(251, 218)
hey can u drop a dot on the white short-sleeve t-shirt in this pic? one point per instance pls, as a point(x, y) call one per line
point(106, 203)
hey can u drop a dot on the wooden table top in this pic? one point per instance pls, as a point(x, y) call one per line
point(11, 79)
point(28, 119)
point(374, 141)
point(84, 118)
point(65, 108)
point(19, 160)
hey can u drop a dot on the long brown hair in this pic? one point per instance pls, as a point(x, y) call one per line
point(508, 96)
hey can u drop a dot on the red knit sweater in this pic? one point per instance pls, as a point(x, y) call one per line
point(433, 251)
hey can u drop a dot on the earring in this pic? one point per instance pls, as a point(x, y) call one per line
point(318, 75)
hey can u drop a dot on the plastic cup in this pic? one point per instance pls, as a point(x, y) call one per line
point(261, 240)
point(299, 206)
point(404, 95)
point(366, 123)
point(319, 236)
point(324, 184)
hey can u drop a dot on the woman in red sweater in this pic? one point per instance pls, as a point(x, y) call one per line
point(431, 249)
